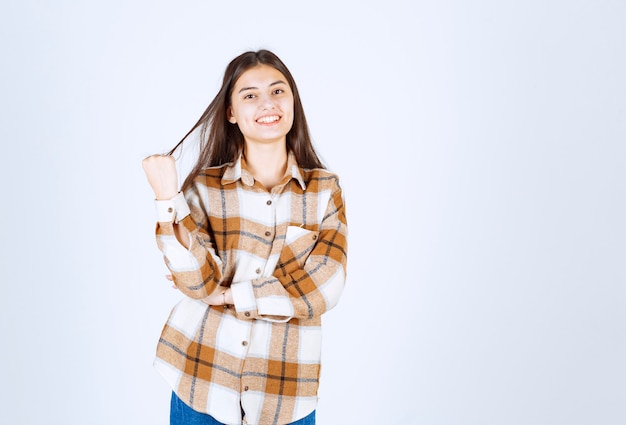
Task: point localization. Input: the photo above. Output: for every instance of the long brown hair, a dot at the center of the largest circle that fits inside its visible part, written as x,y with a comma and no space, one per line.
222,142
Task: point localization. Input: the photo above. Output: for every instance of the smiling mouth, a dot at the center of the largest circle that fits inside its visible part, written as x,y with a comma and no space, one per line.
268,119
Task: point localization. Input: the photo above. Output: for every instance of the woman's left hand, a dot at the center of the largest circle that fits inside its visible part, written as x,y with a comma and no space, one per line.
223,296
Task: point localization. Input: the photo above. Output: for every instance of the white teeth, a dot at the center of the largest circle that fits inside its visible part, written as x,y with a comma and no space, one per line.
269,119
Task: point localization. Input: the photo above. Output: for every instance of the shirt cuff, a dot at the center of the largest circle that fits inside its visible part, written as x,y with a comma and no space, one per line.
243,299
172,210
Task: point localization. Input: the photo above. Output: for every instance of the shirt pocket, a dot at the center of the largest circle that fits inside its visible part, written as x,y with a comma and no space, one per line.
299,243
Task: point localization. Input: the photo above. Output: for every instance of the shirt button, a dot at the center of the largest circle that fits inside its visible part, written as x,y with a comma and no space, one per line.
247,314
244,343
268,233
314,237
258,271
170,209
269,202
245,388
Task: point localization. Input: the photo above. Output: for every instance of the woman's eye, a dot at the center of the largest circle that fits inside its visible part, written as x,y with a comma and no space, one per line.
279,91
249,96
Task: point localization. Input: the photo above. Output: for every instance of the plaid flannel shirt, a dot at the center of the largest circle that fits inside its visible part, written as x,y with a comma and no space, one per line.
283,254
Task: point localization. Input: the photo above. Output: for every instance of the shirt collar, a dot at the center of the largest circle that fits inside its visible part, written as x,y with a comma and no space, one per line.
238,171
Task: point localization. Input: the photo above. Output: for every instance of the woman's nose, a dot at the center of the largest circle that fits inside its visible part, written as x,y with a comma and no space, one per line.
267,103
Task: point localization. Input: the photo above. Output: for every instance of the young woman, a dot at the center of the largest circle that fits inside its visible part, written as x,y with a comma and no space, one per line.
256,241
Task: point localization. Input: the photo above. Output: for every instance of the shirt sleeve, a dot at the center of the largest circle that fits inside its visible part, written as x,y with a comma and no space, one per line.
196,271
301,290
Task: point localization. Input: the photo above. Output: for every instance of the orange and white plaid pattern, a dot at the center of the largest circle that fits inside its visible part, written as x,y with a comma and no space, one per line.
283,253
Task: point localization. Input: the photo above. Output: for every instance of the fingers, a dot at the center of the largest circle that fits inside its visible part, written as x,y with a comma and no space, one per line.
157,161
171,279
157,155
162,175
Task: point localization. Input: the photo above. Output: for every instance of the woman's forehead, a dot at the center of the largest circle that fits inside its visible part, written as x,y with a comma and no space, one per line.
259,76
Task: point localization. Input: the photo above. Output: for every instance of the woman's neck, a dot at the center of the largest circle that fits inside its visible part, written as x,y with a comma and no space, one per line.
266,163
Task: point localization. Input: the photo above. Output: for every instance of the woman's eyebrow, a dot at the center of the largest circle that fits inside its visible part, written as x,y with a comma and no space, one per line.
256,88
278,82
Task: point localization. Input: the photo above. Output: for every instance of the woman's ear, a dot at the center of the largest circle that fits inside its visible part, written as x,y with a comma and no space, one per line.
231,118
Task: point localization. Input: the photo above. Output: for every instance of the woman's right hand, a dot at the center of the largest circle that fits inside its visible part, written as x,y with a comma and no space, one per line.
162,175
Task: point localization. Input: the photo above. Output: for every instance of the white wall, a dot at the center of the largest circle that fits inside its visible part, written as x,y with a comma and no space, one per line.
482,150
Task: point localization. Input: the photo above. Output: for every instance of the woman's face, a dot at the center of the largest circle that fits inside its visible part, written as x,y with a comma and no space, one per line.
262,105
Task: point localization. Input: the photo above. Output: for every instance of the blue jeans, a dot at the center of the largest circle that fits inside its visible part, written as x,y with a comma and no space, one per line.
181,414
